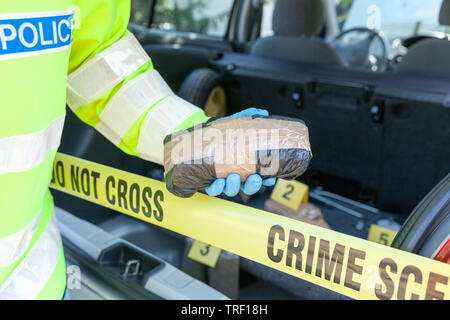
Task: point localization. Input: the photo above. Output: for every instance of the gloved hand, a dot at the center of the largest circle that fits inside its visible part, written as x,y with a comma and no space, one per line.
194,157
232,184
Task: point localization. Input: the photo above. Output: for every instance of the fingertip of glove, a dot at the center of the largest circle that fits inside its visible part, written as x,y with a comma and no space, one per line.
232,185
256,112
252,185
216,188
269,182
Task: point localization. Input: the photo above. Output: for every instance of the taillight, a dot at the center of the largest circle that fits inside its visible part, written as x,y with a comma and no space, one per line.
444,253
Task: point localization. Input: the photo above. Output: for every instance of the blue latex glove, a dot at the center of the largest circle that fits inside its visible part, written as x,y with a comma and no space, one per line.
232,184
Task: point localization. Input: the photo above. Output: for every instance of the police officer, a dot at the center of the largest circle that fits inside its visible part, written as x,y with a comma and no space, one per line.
78,52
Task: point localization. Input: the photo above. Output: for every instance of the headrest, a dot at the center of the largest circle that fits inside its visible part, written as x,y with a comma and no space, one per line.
295,18
444,15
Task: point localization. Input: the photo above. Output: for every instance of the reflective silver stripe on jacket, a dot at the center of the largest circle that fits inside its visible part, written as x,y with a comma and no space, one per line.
35,270
24,152
106,70
13,246
147,90
161,120
132,100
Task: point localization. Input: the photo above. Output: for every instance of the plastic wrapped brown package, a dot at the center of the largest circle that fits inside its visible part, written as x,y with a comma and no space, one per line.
306,213
270,146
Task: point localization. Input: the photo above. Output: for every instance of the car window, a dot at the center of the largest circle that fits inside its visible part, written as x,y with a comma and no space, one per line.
342,10
140,12
397,19
208,17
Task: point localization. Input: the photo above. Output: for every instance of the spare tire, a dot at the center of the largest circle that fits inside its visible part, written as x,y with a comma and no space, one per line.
204,88
428,226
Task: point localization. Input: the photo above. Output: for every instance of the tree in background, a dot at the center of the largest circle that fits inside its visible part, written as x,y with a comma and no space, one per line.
189,15
343,8
140,11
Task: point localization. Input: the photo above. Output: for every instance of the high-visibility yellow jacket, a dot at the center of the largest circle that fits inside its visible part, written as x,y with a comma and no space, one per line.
79,52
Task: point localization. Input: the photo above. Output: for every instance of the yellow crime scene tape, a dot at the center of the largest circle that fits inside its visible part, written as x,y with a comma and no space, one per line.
354,267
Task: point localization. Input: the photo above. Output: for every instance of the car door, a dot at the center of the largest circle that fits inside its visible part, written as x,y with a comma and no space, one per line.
183,35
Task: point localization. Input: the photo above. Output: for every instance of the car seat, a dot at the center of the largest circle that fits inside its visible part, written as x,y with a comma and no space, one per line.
296,23
430,56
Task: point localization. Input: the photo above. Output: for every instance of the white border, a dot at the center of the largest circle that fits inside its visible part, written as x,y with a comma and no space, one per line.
13,246
18,55
21,153
36,269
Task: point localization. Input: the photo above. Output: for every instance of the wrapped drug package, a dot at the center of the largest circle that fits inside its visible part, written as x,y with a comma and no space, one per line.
270,146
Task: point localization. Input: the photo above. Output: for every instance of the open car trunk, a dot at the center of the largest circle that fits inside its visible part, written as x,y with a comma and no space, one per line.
380,140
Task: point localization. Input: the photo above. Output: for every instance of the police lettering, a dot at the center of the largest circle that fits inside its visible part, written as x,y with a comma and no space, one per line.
35,33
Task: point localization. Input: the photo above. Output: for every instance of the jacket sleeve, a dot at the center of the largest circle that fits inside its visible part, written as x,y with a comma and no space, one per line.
113,86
